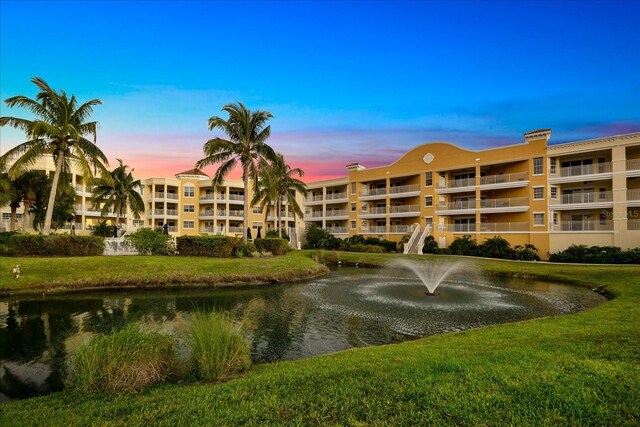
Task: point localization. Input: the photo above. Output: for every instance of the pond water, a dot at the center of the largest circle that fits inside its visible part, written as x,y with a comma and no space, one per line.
347,308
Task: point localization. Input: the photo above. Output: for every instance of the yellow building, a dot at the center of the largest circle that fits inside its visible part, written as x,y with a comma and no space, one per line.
583,192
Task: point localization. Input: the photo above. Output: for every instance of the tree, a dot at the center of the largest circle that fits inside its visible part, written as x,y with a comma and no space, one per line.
21,191
63,210
277,185
118,190
247,133
59,130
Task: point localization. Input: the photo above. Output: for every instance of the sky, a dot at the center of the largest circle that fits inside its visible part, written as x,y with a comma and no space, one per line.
345,81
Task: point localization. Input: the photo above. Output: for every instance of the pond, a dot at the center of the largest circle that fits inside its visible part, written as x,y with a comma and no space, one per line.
347,308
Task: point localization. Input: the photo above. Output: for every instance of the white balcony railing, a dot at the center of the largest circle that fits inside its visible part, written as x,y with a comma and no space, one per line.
336,212
404,209
633,224
401,228
335,196
592,169
404,189
633,195
374,211
377,229
158,195
496,227
158,211
457,228
504,178
207,213
337,230
239,197
457,205
504,203
209,196
585,197
457,183
236,213
587,225
373,192
314,198
173,212
236,230
633,164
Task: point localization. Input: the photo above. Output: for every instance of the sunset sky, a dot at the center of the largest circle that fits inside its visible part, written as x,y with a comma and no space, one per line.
346,81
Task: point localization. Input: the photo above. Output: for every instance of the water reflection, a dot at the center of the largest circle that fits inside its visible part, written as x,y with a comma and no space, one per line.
345,309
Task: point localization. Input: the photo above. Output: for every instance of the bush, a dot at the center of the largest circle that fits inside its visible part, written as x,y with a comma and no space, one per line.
597,255
317,238
151,242
527,252
55,245
5,238
218,350
125,360
274,245
430,246
274,233
495,247
211,246
245,249
463,246
367,248
102,229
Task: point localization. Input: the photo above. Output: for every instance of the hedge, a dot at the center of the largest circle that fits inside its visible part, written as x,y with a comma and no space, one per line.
274,245
597,255
55,245
213,246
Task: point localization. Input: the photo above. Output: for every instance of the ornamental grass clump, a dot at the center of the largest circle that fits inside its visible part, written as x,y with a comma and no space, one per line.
218,349
125,360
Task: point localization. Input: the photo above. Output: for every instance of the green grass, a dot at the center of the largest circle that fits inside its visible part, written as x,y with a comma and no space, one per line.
125,360
218,350
579,369
50,275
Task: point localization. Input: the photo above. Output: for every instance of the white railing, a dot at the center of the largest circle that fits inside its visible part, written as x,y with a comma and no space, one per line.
79,188
633,224
67,226
236,229
378,229
457,228
336,212
337,230
173,196
457,205
404,209
495,227
209,196
335,196
375,211
158,195
158,211
314,214
633,164
207,213
586,169
503,178
314,198
504,203
373,192
404,189
401,228
457,183
586,197
633,194
233,212
239,197
588,225
173,212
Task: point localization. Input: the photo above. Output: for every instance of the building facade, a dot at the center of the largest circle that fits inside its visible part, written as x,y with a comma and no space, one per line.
551,196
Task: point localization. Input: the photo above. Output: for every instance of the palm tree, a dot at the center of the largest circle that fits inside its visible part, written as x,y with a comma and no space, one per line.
119,191
247,133
277,185
21,191
59,131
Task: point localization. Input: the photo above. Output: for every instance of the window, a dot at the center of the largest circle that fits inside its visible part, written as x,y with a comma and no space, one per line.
187,224
538,219
364,207
353,188
353,207
554,192
189,208
553,165
537,166
353,225
256,224
555,218
138,223
428,201
538,193
603,193
429,220
429,179
256,210
189,191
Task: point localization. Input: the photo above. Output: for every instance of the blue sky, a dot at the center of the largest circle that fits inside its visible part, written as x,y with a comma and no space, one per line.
346,81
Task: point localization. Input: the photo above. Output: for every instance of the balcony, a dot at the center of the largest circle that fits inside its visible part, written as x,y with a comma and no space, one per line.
378,212
633,224
593,172
458,207
457,228
313,200
513,204
404,211
376,229
582,226
633,197
337,198
208,213
585,200
172,196
235,230
172,212
400,229
315,215
504,227
633,167
456,185
337,214
236,197
236,213
404,191
373,194
337,230
506,180
207,198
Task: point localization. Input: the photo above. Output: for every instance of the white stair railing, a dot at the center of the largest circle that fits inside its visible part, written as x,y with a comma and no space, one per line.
423,236
414,236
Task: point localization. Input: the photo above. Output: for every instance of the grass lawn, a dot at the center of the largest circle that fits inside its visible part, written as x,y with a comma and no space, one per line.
579,369
66,274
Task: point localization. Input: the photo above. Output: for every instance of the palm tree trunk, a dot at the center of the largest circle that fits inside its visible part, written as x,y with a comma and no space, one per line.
25,214
245,178
278,218
12,220
52,196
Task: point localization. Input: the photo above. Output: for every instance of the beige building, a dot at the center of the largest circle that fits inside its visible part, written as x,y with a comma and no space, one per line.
583,192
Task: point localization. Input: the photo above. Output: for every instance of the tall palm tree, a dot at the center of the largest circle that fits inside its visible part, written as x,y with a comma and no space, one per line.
119,191
21,191
59,130
247,133
277,185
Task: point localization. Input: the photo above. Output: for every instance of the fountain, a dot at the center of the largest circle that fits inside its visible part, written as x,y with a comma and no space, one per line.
432,273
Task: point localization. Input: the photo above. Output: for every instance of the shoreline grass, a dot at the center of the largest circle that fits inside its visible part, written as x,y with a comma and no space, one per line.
578,369
82,274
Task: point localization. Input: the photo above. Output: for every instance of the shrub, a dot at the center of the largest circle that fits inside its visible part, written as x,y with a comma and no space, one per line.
463,246
125,360
317,238
5,238
430,246
102,229
597,255
527,252
495,247
151,242
274,245
245,249
218,350
211,246
274,233
400,245
55,245
367,248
